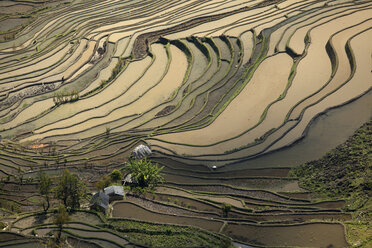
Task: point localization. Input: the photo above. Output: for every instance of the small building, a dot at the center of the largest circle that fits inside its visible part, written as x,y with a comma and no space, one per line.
99,202
115,193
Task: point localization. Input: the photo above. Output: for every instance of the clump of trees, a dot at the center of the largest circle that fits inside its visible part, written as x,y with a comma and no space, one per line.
69,190
64,97
114,178
145,173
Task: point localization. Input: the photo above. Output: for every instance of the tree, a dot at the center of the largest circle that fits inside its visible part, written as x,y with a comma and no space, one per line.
45,188
115,175
60,219
103,183
226,208
70,190
145,173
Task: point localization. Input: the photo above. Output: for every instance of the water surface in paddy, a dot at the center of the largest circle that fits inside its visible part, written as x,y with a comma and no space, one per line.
325,133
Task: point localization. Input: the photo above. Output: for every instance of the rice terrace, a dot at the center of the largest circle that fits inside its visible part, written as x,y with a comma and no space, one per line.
185,123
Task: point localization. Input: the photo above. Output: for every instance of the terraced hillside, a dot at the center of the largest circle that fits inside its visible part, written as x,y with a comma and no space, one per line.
229,95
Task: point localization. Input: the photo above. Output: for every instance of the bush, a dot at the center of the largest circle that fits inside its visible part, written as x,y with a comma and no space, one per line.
115,175
226,208
103,183
145,173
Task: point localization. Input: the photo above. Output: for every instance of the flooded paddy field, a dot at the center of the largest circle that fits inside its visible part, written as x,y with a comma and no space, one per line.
228,95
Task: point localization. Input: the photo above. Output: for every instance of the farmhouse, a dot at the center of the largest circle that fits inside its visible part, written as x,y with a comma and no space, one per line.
99,202
115,193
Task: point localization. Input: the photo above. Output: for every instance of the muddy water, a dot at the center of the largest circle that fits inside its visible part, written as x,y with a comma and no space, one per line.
297,40
314,234
95,234
343,68
104,74
267,19
123,81
221,199
250,183
212,25
132,211
161,92
200,62
121,45
11,23
255,17
309,21
30,112
134,87
314,70
268,82
343,72
359,84
326,132
65,66
248,44
41,63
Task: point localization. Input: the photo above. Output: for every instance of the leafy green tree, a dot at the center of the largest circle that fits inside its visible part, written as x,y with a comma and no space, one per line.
45,188
60,219
146,173
103,183
70,190
115,175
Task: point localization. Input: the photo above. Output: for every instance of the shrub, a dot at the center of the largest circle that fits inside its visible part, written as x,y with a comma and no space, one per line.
145,173
116,175
226,208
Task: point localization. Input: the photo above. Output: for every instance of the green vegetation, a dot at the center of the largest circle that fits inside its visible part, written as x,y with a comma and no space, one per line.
226,208
2,225
115,175
145,173
70,190
64,97
61,219
45,188
108,130
104,182
147,96
345,172
157,235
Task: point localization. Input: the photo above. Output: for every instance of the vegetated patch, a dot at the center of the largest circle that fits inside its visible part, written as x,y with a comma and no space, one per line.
346,172
165,235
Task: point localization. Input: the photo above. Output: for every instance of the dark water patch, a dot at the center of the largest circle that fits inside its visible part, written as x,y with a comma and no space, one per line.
327,131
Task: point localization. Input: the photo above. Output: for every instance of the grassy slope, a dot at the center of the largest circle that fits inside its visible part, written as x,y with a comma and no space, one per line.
346,172
162,235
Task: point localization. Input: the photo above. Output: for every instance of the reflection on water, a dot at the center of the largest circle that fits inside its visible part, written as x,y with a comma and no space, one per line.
239,245
325,133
